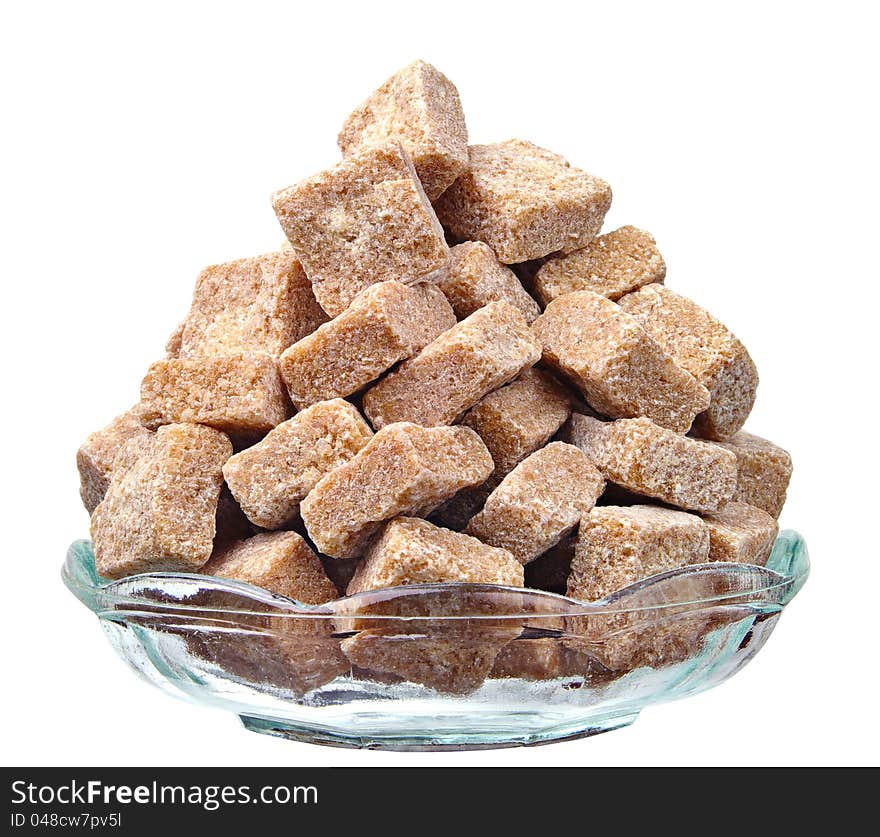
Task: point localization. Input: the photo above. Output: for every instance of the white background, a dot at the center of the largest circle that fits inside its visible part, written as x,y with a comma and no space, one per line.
140,144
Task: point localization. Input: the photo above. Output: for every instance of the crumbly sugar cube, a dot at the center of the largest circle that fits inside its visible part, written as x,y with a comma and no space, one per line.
385,323
764,472
473,277
361,222
545,659
413,551
159,513
420,108
258,305
174,343
619,545
513,421
621,370
239,394
280,562
524,202
270,478
451,374
611,265
652,461
539,502
95,457
741,533
404,469
699,343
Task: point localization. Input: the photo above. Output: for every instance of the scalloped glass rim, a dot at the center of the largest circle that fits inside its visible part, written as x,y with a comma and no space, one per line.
775,585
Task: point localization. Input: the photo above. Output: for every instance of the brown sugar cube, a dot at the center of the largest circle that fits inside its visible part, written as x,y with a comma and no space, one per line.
611,265
619,545
404,469
764,471
697,342
474,277
448,659
545,659
419,107
413,551
258,305
621,370
652,461
513,421
384,324
451,374
174,342
524,201
539,502
280,562
95,458
741,533
159,513
238,393
365,220
270,478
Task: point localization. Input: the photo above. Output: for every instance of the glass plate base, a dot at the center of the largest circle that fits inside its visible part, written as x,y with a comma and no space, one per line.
380,732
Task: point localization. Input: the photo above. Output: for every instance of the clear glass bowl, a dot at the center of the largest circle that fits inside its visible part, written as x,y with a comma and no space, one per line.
450,666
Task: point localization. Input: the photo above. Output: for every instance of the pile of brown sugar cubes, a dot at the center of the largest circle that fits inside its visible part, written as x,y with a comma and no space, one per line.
449,374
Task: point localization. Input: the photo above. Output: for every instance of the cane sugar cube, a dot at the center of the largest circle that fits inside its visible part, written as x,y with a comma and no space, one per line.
539,502
619,545
361,222
764,471
474,277
404,469
413,551
545,659
451,374
513,421
258,305
270,478
697,342
621,370
611,265
452,660
524,202
741,533
159,513
95,458
237,393
652,461
384,324
420,108
280,562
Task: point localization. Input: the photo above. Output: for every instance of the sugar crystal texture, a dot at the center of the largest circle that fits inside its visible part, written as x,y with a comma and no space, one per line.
652,461
513,421
619,545
259,305
419,107
539,502
611,265
384,324
95,457
280,562
741,533
703,346
361,222
451,374
270,478
413,551
237,393
474,277
524,202
404,469
159,513
621,370
764,472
